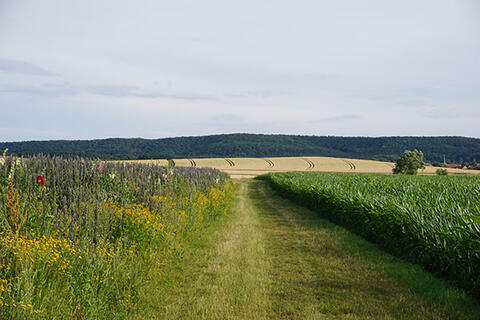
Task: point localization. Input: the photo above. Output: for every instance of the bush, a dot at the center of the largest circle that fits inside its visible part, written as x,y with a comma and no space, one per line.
441,172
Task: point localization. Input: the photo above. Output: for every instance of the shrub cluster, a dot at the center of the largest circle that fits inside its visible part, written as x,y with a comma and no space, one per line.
433,221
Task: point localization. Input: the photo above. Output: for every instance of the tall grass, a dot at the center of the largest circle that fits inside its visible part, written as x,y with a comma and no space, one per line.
79,246
432,221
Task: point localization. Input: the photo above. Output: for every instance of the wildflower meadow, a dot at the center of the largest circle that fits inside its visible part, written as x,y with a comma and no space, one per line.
77,235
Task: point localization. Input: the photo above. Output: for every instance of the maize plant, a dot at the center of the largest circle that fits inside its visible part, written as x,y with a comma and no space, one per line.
433,221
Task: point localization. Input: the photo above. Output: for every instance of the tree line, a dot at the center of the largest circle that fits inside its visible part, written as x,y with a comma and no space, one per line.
435,149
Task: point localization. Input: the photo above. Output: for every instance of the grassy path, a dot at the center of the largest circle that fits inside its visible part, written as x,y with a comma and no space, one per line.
271,259
229,279
227,276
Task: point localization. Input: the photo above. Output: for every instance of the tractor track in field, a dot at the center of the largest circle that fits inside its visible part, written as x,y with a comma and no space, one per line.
350,164
192,162
230,162
269,163
310,163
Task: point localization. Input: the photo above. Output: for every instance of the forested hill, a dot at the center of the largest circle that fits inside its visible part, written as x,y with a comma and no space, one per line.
456,149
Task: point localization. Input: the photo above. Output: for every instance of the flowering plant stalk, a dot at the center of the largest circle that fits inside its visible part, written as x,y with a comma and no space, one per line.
77,235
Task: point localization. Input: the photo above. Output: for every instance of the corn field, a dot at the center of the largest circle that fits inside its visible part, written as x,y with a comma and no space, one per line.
431,221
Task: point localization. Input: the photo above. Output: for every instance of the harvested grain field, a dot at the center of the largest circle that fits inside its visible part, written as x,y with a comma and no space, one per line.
250,167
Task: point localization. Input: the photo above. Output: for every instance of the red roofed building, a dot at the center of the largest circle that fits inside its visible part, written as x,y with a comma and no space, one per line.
455,166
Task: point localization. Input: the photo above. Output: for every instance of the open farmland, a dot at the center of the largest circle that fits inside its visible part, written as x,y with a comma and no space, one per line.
251,167
432,221
82,239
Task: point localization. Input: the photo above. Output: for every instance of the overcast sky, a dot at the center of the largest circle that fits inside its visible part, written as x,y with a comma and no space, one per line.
85,69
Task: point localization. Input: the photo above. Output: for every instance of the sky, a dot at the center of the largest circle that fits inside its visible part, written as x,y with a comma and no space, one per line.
88,69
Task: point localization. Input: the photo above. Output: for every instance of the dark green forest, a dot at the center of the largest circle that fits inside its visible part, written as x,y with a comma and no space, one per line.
455,149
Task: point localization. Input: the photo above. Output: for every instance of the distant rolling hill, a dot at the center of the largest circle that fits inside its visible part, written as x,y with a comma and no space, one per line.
456,149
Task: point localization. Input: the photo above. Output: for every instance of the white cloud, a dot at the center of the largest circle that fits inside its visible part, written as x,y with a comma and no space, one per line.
309,66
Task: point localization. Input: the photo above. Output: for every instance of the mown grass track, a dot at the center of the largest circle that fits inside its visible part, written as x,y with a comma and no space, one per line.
271,259
223,275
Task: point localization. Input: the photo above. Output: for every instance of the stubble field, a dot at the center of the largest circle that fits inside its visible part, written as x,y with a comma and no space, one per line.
251,167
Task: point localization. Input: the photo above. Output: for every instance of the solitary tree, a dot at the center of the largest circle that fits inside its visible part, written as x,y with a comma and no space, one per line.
409,162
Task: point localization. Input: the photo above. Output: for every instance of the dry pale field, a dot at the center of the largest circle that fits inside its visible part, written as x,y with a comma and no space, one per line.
250,167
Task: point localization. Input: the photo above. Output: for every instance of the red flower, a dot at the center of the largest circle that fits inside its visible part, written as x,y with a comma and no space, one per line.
41,180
